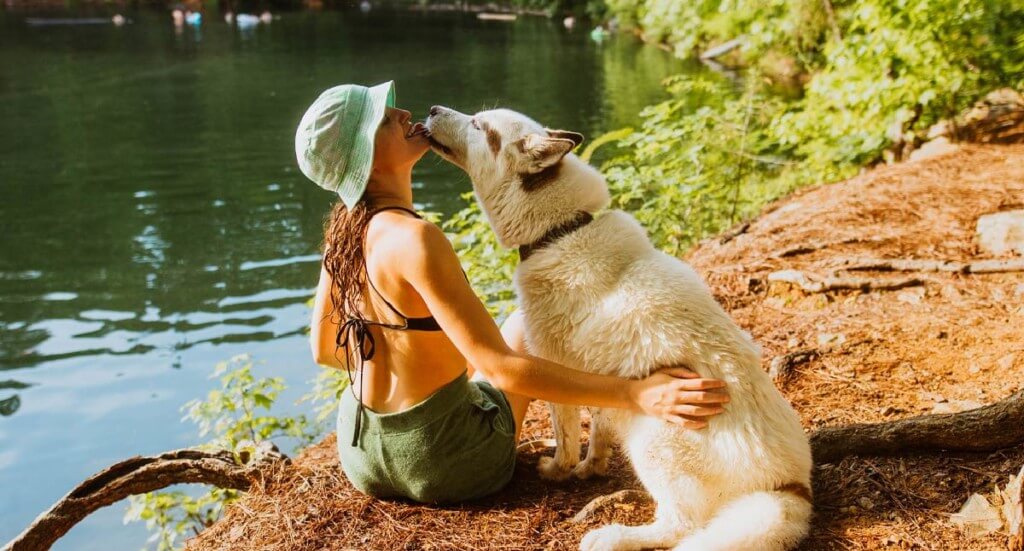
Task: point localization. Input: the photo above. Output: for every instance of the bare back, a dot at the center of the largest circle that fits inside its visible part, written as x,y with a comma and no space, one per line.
407,366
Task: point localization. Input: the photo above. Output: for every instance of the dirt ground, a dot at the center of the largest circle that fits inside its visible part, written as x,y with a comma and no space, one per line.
954,342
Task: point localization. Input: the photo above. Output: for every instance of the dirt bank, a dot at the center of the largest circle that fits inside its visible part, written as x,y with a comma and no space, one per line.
952,342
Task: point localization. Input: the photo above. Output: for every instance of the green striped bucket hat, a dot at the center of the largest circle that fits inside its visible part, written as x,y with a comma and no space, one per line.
334,141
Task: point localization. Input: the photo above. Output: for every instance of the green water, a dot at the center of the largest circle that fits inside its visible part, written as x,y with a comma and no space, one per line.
152,220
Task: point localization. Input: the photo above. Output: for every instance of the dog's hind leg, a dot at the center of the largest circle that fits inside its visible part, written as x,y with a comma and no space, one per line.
599,451
759,521
664,532
565,420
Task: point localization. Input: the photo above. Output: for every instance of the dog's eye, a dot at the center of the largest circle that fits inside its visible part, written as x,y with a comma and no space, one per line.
474,123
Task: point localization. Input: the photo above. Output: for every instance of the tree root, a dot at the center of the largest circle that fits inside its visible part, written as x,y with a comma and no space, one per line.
782,366
807,249
989,428
916,265
139,475
621,496
836,283
734,233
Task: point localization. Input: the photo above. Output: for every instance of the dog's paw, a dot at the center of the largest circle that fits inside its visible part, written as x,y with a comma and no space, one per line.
608,538
591,466
549,469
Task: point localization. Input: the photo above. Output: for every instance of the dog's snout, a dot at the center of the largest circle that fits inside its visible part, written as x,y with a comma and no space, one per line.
435,110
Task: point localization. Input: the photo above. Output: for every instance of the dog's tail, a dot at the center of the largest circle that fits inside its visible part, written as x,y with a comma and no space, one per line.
763,521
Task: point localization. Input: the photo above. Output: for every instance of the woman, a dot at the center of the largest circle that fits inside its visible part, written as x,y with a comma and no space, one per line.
394,304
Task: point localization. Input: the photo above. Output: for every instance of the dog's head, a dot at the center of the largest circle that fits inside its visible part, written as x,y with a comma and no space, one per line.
524,175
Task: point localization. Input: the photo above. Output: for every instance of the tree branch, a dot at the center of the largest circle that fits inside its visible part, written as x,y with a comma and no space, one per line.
139,475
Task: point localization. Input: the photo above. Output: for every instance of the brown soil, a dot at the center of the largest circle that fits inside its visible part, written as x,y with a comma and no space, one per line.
955,339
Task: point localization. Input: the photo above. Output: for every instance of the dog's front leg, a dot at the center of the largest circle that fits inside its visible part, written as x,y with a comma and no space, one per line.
565,421
600,449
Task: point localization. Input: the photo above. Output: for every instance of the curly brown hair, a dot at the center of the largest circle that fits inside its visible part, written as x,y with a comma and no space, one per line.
344,258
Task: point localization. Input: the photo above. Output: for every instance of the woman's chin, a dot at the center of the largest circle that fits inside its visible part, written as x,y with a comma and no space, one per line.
418,147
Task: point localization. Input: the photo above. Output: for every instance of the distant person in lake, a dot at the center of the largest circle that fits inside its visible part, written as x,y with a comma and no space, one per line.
438,392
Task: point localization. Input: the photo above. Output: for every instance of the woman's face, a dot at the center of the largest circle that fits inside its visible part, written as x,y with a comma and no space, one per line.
399,142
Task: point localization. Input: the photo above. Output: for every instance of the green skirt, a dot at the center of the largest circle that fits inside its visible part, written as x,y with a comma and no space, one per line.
456,445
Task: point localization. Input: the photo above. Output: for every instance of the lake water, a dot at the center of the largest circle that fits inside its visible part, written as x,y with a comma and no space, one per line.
153,223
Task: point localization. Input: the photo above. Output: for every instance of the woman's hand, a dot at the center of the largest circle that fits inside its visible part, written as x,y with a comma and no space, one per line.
678,395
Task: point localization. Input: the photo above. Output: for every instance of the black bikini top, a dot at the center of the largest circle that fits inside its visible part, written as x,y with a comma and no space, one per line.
355,334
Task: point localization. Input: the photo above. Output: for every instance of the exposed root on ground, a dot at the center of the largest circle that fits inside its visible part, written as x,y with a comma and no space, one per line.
990,428
621,496
815,284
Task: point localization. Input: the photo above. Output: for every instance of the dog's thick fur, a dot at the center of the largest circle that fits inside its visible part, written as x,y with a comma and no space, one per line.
603,299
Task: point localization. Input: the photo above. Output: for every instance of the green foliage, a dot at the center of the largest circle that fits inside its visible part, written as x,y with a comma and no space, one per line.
488,266
878,71
327,388
170,516
237,417
898,68
231,414
700,161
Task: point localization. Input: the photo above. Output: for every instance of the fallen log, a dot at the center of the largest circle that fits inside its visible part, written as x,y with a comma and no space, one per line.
139,475
989,428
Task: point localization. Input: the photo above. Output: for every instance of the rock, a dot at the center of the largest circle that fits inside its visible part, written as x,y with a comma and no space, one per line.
911,296
977,517
934,148
950,292
831,340
1002,232
1012,509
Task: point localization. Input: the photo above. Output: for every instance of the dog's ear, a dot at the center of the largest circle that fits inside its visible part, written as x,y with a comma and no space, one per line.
575,137
544,151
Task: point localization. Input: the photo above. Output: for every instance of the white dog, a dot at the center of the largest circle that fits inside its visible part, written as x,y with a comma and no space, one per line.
598,296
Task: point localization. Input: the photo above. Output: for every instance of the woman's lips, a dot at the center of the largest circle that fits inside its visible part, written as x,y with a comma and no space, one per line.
416,130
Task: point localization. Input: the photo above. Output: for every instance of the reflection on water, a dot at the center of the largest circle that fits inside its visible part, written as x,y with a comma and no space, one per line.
154,222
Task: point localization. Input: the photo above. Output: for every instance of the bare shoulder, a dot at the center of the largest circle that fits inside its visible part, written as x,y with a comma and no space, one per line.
406,239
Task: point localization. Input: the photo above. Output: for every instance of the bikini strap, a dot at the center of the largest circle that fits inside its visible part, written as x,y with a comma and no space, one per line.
405,320
403,209
416,324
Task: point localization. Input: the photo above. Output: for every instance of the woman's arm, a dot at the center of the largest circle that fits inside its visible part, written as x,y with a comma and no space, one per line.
432,268
323,331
